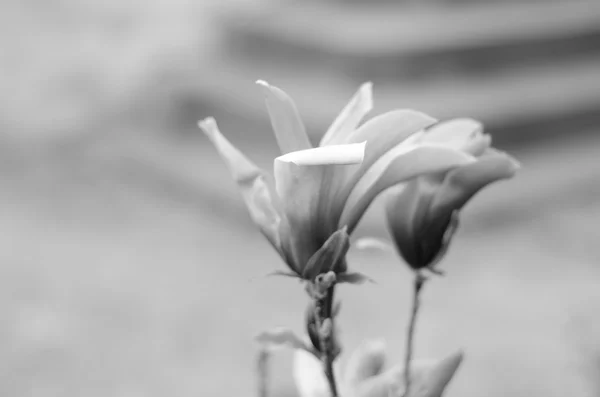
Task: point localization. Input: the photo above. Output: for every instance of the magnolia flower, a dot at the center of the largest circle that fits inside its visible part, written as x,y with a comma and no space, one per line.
422,214
365,375
319,194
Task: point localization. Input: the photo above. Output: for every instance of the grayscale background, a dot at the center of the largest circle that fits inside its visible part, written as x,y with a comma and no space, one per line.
129,266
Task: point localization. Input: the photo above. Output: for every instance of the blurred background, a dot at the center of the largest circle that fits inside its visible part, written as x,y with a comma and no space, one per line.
130,266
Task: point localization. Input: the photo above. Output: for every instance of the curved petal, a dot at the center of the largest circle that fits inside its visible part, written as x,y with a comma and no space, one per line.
331,155
385,384
309,376
463,183
431,378
286,121
349,118
461,134
441,236
404,208
453,133
301,179
252,183
382,133
329,256
398,165
366,361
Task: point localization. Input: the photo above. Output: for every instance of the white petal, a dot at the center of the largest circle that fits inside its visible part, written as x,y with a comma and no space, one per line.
373,243
309,376
349,118
329,155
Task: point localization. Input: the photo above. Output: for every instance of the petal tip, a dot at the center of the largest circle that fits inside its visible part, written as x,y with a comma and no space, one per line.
376,345
208,125
262,83
366,89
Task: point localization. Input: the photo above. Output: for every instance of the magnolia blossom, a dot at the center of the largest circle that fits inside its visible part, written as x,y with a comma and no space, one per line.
365,374
422,214
319,194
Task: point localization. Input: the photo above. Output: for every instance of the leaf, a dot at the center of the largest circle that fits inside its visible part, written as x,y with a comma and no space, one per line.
281,337
286,121
283,274
256,190
353,278
349,118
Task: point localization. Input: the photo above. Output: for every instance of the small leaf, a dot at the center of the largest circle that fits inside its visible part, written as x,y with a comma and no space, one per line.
354,278
283,274
281,337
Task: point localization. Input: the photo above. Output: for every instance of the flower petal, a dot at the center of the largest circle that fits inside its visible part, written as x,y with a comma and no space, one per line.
400,164
328,256
384,384
302,182
373,243
252,183
431,379
349,118
401,207
382,133
309,376
281,337
446,232
463,183
461,134
286,121
330,155
453,133
366,361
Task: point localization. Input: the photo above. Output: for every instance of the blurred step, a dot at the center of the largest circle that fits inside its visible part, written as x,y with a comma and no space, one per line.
531,103
408,40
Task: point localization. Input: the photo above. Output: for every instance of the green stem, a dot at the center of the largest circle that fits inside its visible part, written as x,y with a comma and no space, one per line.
323,312
417,287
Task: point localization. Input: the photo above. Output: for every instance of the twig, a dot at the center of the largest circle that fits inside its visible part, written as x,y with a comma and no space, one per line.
417,286
262,369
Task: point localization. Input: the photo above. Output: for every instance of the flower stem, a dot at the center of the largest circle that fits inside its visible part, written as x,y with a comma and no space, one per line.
323,313
417,286
262,369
